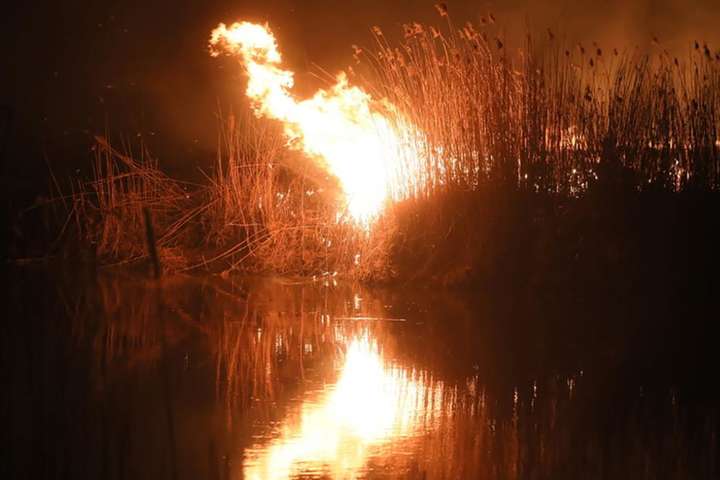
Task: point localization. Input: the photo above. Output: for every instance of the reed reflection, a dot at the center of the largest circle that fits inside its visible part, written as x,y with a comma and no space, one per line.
261,379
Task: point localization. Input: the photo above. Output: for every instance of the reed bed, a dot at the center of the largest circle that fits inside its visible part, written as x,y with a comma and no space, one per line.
546,116
105,219
277,211
491,124
259,210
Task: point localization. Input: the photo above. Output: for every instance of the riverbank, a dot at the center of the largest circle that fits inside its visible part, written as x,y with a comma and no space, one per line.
611,241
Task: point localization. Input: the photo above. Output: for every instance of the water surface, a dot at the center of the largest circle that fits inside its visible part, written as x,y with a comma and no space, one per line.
116,377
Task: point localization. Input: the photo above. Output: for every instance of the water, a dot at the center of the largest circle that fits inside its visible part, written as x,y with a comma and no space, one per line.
113,377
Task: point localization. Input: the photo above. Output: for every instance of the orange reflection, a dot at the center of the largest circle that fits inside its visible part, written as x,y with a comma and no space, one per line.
371,403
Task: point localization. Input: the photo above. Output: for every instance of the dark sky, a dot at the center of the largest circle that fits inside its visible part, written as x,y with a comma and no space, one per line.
72,68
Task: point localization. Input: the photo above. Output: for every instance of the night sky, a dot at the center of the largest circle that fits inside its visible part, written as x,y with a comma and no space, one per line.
73,69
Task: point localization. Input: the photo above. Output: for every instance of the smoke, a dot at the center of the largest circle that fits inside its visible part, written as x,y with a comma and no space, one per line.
324,31
621,24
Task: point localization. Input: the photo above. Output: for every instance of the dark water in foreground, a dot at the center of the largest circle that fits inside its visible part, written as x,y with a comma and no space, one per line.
260,378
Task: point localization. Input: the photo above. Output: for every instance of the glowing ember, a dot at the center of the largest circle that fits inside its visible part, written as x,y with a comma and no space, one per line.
342,126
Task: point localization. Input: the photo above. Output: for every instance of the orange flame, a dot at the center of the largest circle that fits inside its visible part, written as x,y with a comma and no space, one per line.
342,126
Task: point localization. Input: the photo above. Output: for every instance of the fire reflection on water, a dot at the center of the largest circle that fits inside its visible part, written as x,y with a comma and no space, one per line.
376,409
373,402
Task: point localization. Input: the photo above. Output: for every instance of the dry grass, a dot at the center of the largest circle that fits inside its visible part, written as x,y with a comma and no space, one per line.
259,210
547,119
107,210
277,212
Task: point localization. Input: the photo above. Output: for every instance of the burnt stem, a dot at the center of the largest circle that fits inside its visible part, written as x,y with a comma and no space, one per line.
152,247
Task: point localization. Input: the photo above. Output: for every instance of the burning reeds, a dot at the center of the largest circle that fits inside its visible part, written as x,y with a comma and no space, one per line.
352,178
548,118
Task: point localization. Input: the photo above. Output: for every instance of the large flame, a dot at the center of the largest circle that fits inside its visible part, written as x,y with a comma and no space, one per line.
342,126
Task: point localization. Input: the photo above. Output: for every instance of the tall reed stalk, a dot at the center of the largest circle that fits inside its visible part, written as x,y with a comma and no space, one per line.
549,117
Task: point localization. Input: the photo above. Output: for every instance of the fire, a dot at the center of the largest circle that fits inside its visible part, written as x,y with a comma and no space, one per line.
342,127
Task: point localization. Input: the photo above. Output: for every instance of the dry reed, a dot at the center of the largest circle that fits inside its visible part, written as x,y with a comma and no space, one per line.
549,119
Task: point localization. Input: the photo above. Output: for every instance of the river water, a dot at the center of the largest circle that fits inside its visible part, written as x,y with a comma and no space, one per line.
109,376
